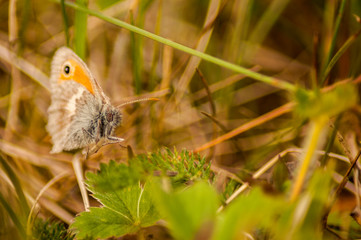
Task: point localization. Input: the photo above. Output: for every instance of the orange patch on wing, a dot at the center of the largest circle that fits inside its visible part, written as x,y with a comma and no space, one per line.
78,74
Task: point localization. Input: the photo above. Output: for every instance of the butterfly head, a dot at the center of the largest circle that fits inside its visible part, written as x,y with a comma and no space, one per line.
110,118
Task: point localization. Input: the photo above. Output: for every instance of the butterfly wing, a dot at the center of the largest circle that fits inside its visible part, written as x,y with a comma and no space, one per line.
73,90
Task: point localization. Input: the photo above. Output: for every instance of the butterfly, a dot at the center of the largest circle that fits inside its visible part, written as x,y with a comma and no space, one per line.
80,114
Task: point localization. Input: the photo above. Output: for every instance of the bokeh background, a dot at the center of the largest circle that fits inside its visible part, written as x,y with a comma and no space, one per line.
199,101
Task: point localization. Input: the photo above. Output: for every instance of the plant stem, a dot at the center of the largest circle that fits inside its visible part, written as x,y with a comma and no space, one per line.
80,32
66,22
339,53
334,38
255,75
315,138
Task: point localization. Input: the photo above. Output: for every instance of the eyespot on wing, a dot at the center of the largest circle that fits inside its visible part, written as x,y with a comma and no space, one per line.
73,70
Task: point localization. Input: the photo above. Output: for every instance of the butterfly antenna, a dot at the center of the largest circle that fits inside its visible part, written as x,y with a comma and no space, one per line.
138,100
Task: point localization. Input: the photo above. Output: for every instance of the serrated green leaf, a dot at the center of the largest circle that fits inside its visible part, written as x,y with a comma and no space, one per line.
124,211
187,210
111,177
183,167
102,223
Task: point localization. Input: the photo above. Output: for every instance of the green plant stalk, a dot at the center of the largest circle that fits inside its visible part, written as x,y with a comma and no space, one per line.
158,21
17,185
334,37
136,53
65,21
13,217
242,28
267,21
80,31
315,138
257,76
339,53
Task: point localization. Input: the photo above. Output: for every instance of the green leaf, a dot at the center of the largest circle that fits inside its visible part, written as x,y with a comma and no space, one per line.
319,191
125,211
314,104
254,210
188,210
182,167
112,176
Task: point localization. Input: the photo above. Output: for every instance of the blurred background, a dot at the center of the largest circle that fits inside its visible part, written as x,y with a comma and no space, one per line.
292,40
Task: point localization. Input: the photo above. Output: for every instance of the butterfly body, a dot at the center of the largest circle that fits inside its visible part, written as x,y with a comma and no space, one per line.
80,114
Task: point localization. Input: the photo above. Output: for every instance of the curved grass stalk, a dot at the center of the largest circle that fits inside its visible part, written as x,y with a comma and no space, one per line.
30,220
234,67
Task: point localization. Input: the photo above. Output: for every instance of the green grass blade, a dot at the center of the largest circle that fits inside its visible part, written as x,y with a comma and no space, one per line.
334,39
13,216
80,31
339,53
136,53
267,21
15,181
20,194
65,21
153,75
255,75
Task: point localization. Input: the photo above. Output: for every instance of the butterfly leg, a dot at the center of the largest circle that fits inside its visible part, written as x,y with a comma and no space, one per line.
87,133
112,139
98,133
89,151
86,152
95,148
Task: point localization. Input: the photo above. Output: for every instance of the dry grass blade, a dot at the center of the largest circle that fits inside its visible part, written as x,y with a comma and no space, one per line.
166,67
29,69
222,84
57,210
33,158
12,118
219,124
276,158
255,122
209,95
40,194
202,44
347,174
341,186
